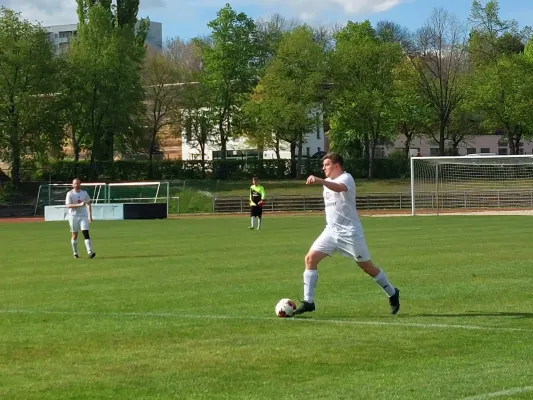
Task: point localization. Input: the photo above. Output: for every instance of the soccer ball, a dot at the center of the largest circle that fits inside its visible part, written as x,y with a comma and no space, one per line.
285,308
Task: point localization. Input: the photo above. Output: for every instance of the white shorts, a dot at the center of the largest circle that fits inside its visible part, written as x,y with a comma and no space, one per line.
78,224
349,246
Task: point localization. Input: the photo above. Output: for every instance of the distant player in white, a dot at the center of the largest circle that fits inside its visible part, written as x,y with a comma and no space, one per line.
80,215
343,233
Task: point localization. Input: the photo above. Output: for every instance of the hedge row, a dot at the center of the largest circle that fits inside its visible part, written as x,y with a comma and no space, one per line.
227,170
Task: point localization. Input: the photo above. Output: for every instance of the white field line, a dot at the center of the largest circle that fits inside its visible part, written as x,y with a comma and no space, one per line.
503,393
252,318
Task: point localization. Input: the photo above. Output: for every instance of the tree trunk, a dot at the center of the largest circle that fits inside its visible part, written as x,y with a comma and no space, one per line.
408,139
293,159
442,135
202,157
372,158
366,142
15,164
299,163
277,148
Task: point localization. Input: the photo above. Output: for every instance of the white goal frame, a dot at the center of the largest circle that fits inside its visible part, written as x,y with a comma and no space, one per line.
68,186
444,192
165,194
104,194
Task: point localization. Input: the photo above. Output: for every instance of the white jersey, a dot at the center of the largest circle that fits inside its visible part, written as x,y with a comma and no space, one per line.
74,197
342,217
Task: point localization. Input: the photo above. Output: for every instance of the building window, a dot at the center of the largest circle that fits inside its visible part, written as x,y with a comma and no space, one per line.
470,150
502,141
502,151
308,151
318,128
434,151
485,150
318,149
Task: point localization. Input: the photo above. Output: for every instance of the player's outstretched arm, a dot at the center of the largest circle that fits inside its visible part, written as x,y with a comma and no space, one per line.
335,186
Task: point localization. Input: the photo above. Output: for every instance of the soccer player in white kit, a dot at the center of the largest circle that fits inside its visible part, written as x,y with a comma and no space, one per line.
80,215
343,233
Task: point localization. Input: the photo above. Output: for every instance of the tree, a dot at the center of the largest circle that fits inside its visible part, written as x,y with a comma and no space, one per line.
393,32
439,56
29,119
186,55
411,111
491,36
196,120
288,93
229,69
107,60
163,83
363,66
503,94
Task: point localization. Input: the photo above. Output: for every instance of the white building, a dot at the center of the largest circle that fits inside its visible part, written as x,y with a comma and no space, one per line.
61,35
239,148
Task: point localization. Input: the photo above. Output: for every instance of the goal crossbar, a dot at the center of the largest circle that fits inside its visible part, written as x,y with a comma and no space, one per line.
469,183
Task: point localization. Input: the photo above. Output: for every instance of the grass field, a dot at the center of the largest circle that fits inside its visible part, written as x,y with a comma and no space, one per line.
184,309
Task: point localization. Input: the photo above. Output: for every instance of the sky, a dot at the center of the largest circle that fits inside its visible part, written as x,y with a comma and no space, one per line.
188,18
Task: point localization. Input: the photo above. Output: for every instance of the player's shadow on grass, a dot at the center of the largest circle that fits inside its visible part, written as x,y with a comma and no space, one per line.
479,314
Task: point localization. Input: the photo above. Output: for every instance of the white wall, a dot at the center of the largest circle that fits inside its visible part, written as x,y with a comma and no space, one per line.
315,141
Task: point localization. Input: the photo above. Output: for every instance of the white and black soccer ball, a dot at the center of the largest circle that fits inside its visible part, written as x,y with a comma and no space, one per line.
285,308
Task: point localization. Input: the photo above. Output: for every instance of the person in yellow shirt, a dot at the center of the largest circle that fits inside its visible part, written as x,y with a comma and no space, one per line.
257,197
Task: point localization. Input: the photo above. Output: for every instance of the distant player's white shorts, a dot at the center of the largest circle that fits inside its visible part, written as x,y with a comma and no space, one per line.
78,224
349,246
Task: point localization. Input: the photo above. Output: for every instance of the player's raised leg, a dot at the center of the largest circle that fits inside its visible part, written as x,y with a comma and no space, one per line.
356,247
381,279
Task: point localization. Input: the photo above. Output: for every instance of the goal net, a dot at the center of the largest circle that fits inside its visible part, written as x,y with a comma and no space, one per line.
54,194
138,192
471,184
104,193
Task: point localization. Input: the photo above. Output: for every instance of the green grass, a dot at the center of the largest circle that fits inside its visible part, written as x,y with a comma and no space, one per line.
184,309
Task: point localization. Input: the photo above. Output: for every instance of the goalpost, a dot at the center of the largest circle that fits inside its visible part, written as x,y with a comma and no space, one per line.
54,194
473,183
139,192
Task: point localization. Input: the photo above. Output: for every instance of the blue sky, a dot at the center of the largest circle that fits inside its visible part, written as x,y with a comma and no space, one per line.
189,18
411,13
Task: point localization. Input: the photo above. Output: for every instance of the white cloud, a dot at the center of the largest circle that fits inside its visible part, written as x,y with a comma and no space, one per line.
57,12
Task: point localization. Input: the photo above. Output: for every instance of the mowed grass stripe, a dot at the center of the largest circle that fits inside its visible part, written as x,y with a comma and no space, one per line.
210,287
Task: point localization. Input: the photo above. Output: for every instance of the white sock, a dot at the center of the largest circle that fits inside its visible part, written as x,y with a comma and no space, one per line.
74,244
252,222
258,222
381,280
310,278
88,246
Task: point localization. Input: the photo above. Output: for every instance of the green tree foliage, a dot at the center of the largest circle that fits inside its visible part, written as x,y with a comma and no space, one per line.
30,124
411,112
106,63
492,37
286,100
229,62
502,93
363,69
